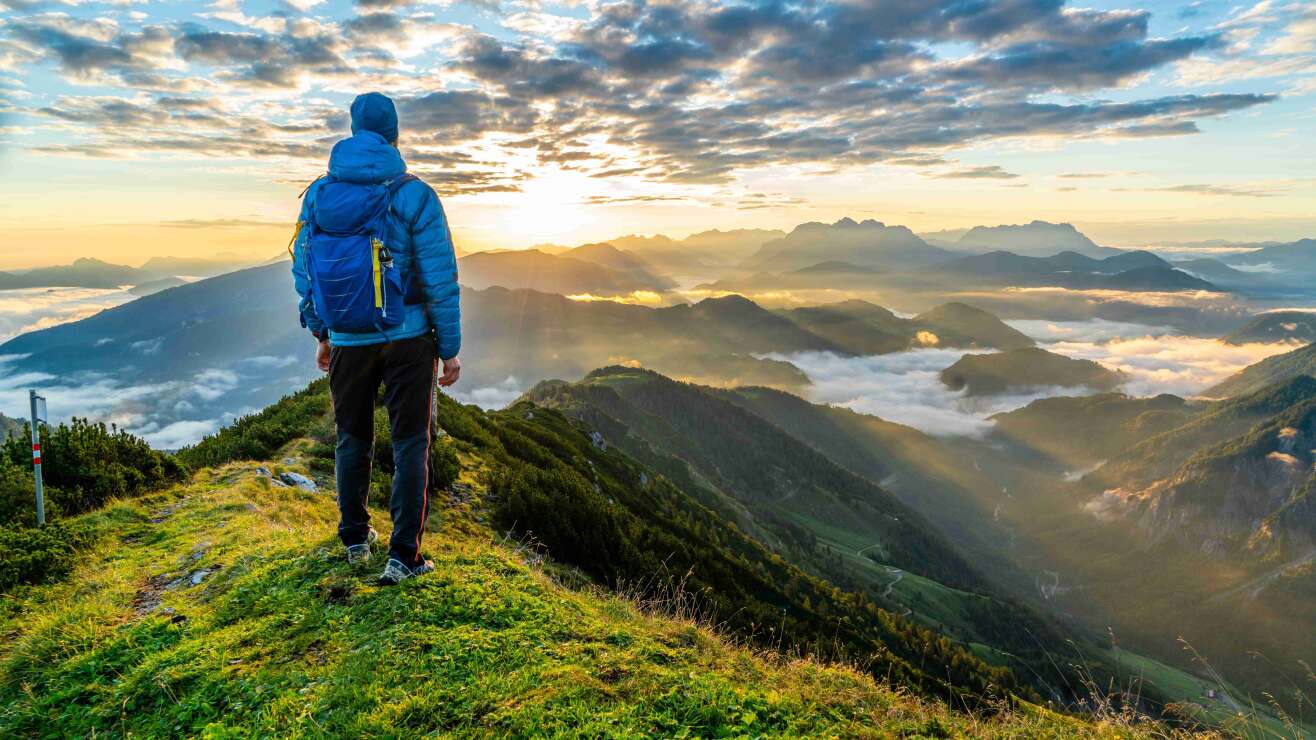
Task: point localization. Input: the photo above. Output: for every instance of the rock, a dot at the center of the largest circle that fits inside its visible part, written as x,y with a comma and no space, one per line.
596,439
299,480
199,576
264,471
289,461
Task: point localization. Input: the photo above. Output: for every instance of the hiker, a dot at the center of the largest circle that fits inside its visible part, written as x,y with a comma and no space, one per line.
374,265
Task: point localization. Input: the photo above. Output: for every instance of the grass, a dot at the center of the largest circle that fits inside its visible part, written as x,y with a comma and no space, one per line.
223,608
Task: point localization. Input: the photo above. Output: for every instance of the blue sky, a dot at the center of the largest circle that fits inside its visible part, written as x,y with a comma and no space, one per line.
139,128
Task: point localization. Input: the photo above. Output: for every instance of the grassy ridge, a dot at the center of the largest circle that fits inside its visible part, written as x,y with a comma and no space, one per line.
279,637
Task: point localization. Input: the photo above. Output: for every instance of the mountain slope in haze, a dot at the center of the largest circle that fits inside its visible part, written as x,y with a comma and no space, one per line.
1277,326
1298,256
564,273
1225,277
618,260
84,272
1111,422
1156,279
872,329
1125,271
762,468
867,244
1272,370
1031,367
693,438
1037,238
1157,457
961,325
87,272
1247,497
703,254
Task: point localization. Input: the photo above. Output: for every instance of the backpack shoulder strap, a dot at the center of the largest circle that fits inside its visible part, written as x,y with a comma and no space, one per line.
395,185
312,182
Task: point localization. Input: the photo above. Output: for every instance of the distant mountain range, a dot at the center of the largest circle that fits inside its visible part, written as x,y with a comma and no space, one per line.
1140,271
234,342
93,273
1027,368
1298,256
867,244
701,255
1034,239
595,269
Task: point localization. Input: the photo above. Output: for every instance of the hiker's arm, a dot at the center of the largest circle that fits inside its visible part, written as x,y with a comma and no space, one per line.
300,279
436,268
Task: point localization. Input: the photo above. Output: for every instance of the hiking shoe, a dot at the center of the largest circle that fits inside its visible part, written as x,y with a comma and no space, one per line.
361,553
396,571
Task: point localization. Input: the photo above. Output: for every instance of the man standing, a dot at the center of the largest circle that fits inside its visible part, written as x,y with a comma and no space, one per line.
367,215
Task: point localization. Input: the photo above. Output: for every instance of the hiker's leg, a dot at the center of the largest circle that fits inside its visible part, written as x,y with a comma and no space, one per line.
354,375
410,369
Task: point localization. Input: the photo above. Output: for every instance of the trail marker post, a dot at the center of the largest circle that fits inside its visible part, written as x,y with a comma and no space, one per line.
38,415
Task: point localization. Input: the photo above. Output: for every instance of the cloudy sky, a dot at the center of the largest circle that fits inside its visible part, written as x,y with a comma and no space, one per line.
137,128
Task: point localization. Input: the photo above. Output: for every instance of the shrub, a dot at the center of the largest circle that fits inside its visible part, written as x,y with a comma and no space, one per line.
86,464
31,555
259,436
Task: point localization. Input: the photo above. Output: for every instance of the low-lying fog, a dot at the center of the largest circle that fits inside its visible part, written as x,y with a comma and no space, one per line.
905,387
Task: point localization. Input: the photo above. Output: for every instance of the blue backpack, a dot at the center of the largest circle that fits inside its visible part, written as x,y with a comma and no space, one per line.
355,285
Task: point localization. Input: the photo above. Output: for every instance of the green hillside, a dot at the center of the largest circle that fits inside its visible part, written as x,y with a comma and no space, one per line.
727,444
221,607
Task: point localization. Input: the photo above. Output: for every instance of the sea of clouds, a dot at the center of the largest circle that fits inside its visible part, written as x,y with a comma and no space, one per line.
905,387
29,309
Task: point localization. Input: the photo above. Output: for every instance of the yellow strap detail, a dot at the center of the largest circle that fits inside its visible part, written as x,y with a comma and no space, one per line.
375,246
295,232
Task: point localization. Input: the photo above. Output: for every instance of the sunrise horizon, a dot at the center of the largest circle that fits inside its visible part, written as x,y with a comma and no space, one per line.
187,133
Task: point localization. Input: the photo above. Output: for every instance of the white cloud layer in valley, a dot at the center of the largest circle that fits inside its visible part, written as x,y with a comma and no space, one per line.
905,387
29,309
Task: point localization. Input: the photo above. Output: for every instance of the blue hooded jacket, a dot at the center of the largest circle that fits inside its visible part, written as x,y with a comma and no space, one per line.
418,236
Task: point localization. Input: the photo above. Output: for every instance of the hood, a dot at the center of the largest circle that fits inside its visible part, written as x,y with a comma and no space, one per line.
365,157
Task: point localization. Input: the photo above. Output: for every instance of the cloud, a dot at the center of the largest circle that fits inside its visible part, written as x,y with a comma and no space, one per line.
989,172
1219,190
30,309
491,397
697,92
906,388
1164,363
180,433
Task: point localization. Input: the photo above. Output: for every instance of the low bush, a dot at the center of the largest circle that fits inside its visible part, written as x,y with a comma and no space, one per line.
32,555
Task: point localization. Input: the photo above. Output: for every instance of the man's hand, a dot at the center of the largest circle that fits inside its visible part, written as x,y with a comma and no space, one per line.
452,370
322,356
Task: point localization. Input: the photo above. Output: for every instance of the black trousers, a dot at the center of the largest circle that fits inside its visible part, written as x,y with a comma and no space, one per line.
407,369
